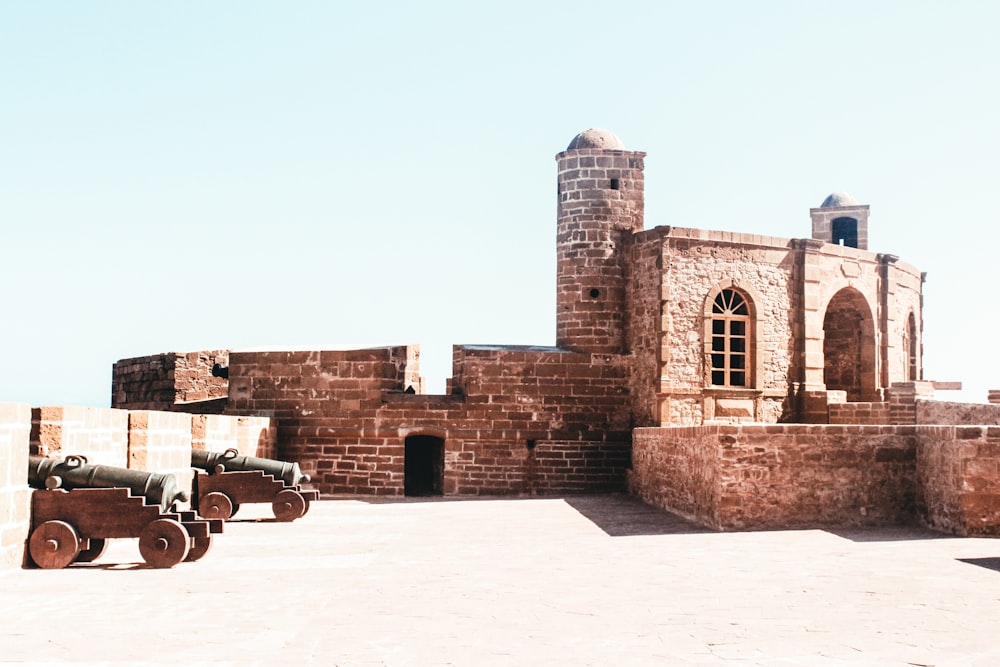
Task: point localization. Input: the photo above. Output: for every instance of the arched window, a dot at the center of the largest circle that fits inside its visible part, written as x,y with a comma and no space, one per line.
730,340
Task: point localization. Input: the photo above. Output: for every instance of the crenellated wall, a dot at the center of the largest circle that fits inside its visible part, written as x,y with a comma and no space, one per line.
517,420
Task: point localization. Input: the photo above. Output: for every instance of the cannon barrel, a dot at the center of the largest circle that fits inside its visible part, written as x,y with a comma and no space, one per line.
74,472
232,460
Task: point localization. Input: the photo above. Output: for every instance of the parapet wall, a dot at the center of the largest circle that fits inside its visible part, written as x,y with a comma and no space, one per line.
161,442
15,427
252,436
944,412
796,476
778,476
100,434
859,413
959,479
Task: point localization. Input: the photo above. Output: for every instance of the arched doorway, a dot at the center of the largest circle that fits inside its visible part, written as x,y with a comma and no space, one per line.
849,346
423,466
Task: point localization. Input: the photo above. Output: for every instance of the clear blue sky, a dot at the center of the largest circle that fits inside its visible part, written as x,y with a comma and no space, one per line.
179,176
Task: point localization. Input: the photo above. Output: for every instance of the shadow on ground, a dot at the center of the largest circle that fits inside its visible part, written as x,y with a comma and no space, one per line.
988,563
887,533
620,515
617,514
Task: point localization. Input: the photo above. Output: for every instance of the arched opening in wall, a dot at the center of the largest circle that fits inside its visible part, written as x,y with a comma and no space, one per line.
423,466
849,346
845,232
912,366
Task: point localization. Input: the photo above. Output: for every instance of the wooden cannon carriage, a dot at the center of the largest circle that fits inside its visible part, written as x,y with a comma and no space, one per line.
77,507
226,480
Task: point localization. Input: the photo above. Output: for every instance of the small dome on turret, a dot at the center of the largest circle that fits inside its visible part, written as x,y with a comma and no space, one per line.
838,199
595,137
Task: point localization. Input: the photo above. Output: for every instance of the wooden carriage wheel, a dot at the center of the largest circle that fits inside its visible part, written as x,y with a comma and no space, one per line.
164,543
54,545
215,505
288,505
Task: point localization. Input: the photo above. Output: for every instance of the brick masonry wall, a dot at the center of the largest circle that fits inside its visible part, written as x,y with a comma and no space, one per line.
859,413
678,469
161,442
99,434
15,427
779,476
959,479
600,203
520,420
170,381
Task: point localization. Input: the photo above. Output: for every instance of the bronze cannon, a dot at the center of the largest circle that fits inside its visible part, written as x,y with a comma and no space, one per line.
230,479
232,460
78,507
74,472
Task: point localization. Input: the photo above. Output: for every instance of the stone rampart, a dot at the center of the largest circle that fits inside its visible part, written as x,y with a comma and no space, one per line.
15,427
778,476
959,479
945,412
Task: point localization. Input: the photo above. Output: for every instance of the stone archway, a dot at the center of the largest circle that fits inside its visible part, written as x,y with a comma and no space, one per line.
423,466
849,346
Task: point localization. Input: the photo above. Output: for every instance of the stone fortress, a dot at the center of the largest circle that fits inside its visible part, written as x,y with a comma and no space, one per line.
740,380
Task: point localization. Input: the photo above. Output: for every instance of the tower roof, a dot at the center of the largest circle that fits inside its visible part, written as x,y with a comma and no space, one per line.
838,199
595,137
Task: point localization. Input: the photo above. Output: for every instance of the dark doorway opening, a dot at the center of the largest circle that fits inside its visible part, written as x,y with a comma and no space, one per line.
423,466
845,232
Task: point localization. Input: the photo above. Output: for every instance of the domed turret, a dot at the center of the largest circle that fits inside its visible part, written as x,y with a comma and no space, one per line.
838,199
595,137
600,203
841,220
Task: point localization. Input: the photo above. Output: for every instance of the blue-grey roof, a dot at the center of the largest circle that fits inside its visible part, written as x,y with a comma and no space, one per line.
838,199
595,137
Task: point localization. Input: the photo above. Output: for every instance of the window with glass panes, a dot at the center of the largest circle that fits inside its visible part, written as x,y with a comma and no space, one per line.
730,340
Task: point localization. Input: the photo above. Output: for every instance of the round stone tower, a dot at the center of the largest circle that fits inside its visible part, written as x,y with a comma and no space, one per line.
600,205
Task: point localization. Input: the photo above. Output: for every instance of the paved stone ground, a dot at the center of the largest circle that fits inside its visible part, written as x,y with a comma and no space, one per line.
599,580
